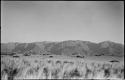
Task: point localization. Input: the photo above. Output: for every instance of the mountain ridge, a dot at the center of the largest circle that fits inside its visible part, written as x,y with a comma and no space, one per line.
68,48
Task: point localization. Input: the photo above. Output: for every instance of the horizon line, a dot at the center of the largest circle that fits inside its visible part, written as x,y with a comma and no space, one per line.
63,41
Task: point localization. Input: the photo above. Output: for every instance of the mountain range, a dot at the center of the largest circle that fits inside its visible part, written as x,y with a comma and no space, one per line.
68,48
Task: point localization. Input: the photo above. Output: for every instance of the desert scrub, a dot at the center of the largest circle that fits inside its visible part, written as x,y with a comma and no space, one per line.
75,73
11,72
33,71
88,73
39,68
117,71
26,63
67,68
10,69
46,72
55,73
49,61
66,75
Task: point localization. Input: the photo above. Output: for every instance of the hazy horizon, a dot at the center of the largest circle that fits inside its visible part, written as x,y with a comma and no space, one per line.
37,21
61,41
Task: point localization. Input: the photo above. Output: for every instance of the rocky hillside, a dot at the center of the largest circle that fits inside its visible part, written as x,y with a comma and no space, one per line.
69,48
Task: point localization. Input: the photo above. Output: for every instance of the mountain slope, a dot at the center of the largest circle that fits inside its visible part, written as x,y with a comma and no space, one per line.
69,48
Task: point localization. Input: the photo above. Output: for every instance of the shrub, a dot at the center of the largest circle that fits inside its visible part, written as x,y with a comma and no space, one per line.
24,68
75,73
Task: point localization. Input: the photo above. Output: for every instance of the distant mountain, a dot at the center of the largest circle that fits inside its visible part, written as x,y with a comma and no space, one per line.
69,48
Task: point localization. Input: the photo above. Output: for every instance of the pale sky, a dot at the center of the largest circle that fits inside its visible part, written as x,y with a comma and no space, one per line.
32,21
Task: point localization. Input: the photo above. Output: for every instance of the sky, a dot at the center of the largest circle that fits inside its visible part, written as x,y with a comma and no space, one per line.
36,21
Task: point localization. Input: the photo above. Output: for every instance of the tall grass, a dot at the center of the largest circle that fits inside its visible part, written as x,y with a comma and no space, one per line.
38,68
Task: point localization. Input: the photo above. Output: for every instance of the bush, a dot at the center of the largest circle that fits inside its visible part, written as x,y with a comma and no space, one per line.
28,68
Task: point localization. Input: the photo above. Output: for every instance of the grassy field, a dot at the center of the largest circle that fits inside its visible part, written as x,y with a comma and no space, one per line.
60,67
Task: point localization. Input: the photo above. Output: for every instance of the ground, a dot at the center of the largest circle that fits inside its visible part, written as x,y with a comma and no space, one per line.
61,67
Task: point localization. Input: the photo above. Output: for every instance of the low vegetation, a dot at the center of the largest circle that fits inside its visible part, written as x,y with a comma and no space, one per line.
27,67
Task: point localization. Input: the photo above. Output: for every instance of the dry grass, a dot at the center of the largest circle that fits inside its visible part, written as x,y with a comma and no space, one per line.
52,68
